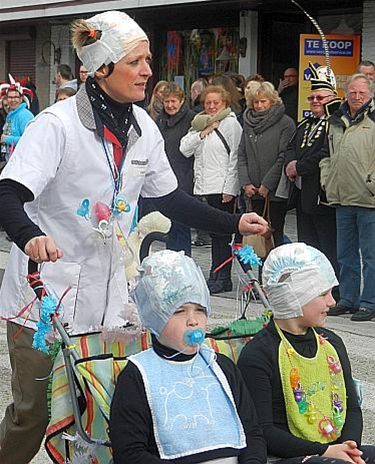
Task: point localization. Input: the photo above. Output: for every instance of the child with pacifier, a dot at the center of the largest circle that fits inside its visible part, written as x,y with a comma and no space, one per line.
179,401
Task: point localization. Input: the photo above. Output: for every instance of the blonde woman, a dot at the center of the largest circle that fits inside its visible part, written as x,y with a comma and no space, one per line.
267,131
213,140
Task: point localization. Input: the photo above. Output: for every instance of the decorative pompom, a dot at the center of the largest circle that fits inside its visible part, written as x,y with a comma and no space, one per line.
247,255
44,326
82,33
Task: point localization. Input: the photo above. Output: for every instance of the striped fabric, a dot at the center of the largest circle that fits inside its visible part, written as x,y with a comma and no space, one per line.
96,373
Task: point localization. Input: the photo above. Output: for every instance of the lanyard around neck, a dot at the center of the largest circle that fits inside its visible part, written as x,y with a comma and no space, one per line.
114,170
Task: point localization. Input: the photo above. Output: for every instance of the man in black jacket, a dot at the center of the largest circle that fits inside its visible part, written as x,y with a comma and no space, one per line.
316,222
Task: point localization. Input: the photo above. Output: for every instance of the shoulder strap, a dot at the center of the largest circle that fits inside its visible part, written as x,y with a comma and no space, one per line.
266,209
222,138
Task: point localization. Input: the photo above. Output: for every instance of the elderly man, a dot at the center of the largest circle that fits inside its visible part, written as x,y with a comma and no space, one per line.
348,177
316,221
88,159
367,68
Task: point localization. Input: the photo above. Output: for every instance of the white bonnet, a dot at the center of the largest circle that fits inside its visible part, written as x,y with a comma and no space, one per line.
120,34
168,280
293,275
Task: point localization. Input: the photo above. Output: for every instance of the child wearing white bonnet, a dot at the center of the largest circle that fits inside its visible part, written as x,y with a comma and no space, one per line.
298,372
179,401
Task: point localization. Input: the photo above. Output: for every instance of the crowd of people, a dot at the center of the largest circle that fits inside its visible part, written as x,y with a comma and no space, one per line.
209,160
266,155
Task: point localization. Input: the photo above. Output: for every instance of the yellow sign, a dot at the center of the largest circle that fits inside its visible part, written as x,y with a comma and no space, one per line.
344,52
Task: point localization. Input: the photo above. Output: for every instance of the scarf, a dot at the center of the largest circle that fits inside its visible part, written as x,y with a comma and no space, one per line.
114,116
358,116
203,120
259,121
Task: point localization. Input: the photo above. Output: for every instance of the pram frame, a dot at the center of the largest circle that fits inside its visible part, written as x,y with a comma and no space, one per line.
69,352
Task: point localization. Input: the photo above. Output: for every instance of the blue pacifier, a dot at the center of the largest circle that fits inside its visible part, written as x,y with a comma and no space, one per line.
194,337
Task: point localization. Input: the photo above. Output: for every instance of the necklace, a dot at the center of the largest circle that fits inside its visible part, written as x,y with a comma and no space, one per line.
314,390
312,132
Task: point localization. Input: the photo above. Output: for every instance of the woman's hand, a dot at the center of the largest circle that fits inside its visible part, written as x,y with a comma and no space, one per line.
209,129
263,191
250,190
345,452
253,224
227,198
291,170
43,249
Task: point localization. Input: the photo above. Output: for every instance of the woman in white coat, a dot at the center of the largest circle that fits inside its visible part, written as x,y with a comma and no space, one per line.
89,158
213,140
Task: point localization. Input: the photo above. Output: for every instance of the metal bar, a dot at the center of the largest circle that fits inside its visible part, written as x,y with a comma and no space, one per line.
76,411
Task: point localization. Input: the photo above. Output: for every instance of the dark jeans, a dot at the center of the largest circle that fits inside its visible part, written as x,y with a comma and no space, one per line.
277,217
368,456
355,240
220,248
202,235
179,238
319,231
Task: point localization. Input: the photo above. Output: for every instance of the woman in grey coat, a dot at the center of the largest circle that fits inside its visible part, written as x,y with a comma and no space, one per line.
267,131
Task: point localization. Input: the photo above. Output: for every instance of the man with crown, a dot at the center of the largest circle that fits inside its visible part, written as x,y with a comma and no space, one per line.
316,221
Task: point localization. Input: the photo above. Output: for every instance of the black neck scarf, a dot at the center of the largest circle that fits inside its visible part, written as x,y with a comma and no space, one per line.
114,116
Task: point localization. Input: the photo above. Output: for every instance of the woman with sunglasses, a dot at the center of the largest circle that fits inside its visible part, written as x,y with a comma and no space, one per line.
316,222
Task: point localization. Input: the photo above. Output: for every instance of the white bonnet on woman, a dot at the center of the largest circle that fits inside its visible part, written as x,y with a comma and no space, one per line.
120,34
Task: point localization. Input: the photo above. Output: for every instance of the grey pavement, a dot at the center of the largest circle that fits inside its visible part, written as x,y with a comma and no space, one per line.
359,338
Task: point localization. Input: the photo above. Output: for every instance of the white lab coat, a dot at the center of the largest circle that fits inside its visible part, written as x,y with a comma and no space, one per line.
60,158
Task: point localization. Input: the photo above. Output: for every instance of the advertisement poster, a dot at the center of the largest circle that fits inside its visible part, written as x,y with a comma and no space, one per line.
200,53
344,51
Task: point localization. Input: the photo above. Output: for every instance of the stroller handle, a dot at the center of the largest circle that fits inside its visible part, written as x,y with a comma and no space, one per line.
33,269
147,242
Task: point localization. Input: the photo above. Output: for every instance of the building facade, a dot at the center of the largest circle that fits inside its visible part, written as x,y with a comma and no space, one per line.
189,39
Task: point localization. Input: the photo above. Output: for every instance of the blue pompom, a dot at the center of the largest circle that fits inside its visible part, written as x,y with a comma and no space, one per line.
44,326
248,256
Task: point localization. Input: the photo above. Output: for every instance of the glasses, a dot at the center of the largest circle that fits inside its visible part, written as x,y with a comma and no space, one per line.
83,72
318,98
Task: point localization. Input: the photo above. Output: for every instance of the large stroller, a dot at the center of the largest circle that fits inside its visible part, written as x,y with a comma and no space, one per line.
86,368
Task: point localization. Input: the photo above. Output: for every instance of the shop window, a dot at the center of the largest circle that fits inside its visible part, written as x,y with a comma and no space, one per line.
199,53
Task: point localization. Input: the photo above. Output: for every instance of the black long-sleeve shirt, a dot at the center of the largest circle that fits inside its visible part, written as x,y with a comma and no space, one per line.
178,206
259,366
131,427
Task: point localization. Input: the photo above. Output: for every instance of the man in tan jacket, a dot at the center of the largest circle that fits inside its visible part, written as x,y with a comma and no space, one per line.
348,177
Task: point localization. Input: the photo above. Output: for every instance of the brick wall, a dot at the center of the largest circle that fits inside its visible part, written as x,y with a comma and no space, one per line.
3,76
